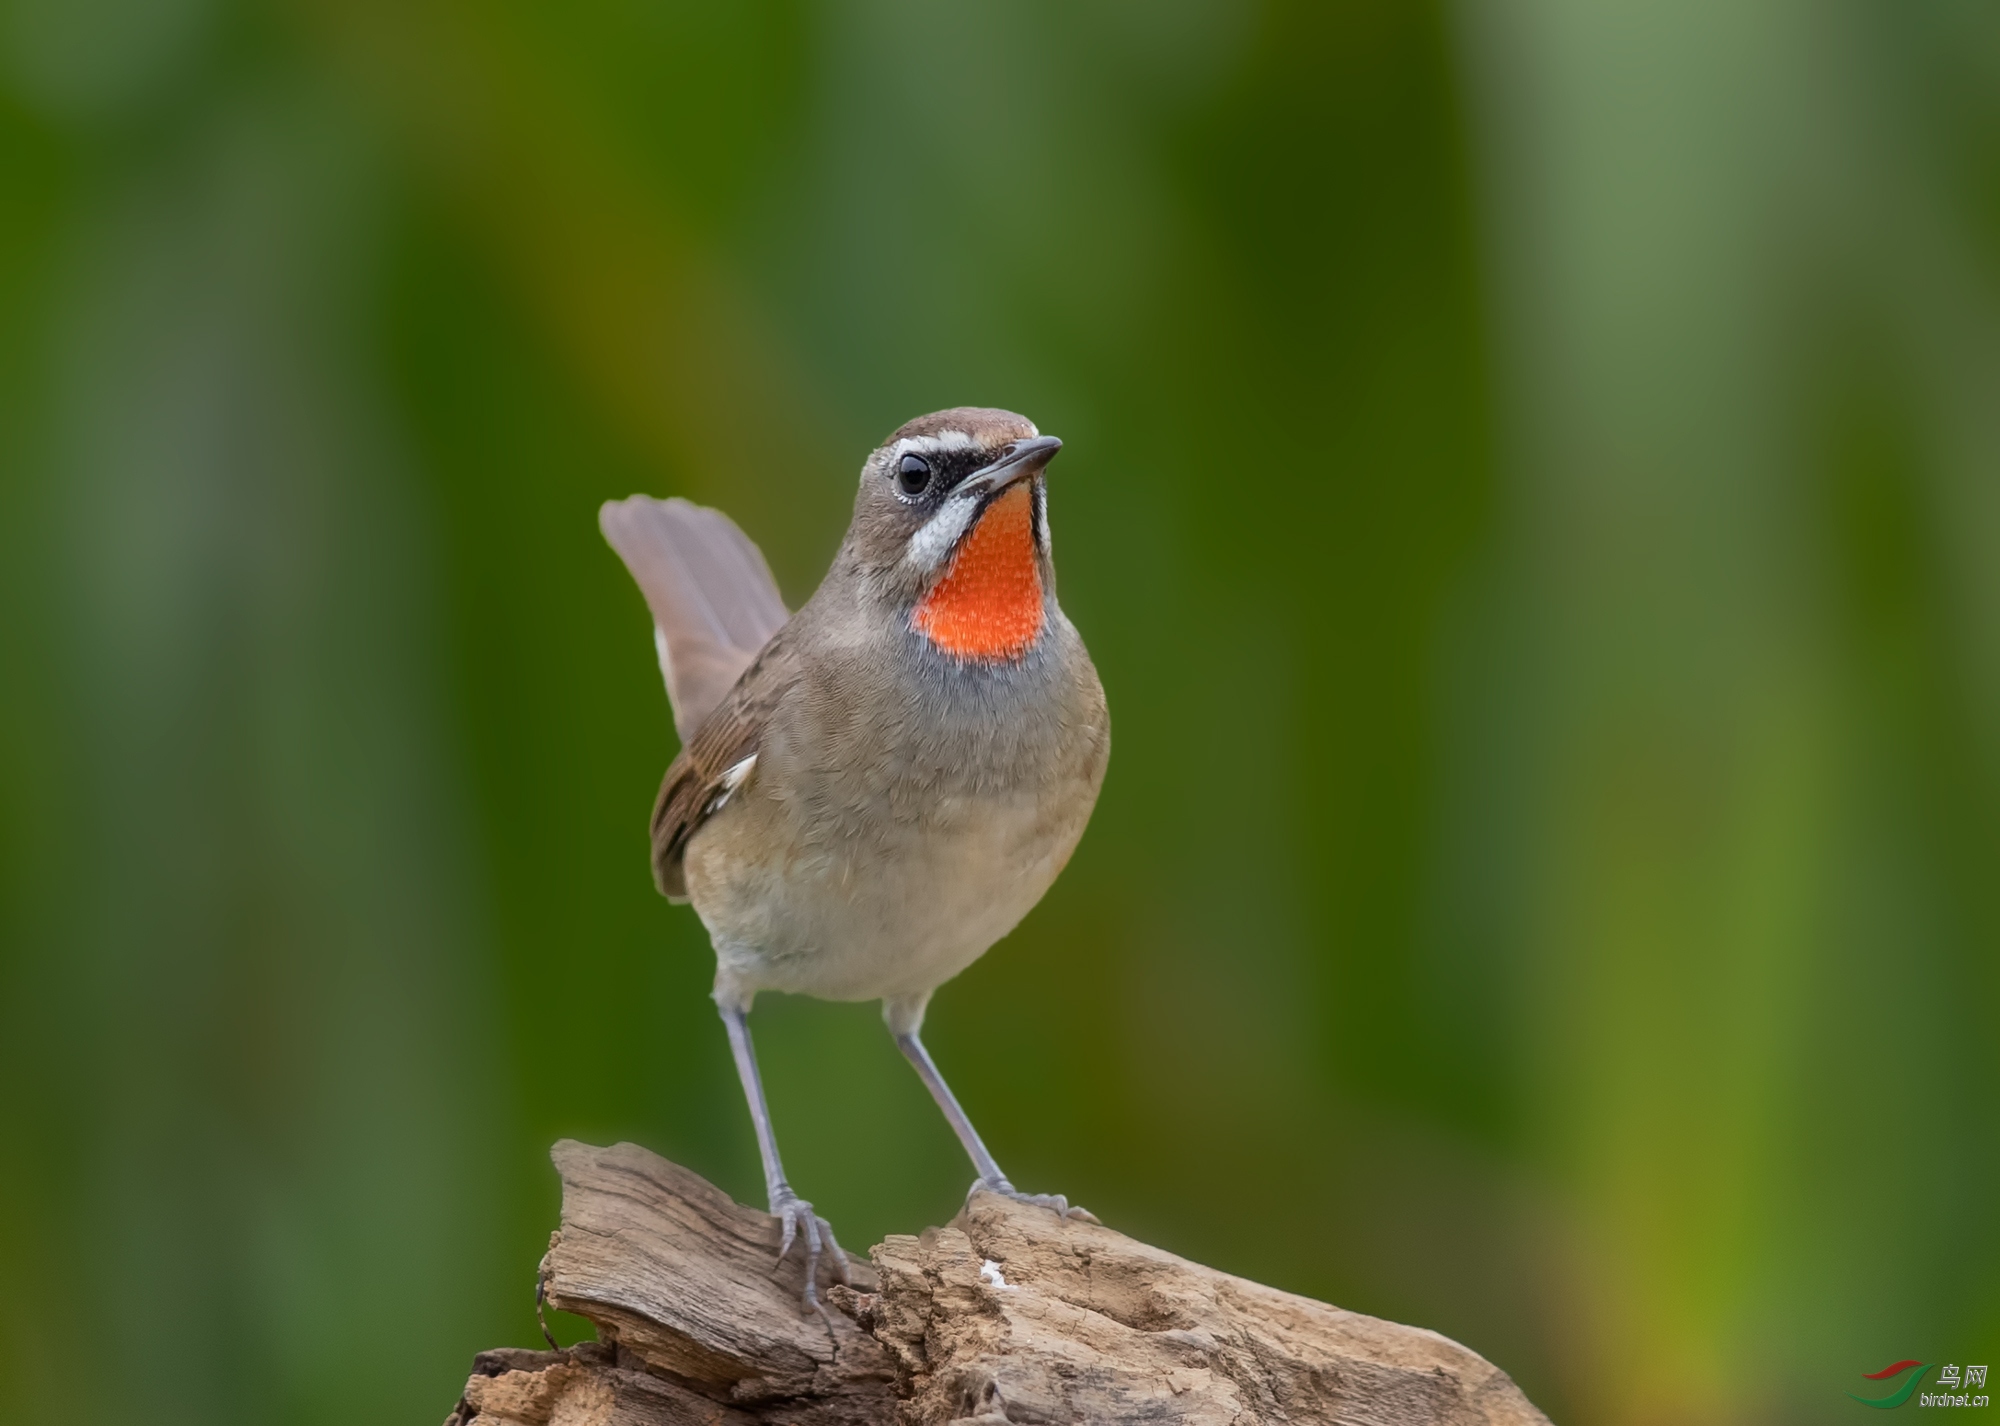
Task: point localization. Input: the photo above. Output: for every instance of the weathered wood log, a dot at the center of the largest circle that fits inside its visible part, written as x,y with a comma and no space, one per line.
1006,1315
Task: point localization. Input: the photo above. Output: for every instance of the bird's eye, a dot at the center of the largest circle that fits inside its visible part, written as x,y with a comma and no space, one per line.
913,475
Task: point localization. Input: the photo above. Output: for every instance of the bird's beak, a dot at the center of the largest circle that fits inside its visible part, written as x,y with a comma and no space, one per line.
1019,461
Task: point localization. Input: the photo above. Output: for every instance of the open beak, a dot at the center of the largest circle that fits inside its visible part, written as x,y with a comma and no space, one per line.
1019,461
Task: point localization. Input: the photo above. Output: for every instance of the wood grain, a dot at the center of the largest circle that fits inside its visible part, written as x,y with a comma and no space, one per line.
1007,1315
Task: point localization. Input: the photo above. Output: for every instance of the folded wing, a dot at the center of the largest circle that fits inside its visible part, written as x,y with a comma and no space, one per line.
713,600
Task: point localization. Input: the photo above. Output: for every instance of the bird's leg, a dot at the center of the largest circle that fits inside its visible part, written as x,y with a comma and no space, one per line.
990,1178
786,1206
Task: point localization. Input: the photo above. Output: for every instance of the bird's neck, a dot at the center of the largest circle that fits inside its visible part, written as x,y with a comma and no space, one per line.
988,606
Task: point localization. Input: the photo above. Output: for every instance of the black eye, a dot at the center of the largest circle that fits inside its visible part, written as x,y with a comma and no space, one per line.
913,475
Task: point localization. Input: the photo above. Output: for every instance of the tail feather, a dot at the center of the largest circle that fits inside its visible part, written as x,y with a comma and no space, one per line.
713,600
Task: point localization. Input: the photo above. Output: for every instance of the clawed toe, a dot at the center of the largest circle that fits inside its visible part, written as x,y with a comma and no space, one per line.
800,1222
1054,1202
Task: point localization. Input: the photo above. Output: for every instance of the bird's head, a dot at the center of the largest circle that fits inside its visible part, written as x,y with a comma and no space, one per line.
951,531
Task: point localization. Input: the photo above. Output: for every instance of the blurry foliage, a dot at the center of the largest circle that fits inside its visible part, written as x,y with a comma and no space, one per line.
1530,492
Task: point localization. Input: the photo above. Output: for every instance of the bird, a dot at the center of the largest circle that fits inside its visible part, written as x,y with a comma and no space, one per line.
874,790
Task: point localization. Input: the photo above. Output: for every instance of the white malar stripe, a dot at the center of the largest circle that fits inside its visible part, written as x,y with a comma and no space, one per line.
1042,535
730,781
930,544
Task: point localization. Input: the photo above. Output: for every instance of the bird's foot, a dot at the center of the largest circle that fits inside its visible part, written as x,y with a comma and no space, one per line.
1054,1202
801,1223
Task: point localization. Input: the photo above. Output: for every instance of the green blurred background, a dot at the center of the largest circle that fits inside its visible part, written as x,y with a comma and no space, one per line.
1532,491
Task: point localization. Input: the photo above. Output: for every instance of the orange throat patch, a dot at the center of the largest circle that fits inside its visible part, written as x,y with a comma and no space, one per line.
989,603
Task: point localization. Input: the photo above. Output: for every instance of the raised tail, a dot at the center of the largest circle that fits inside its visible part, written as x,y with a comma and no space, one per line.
713,599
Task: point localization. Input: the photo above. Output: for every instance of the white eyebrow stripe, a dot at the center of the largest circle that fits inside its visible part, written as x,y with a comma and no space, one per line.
933,445
934,540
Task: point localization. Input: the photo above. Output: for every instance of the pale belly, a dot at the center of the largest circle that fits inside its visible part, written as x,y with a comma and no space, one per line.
825,909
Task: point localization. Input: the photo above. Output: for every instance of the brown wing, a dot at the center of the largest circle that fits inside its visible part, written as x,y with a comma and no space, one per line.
700,780
713,600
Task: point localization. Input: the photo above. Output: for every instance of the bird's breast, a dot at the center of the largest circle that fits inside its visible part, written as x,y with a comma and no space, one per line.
903,815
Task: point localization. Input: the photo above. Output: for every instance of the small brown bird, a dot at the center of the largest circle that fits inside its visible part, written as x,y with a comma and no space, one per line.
874,790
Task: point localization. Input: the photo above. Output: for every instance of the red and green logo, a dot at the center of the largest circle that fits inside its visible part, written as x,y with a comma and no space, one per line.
1902,1393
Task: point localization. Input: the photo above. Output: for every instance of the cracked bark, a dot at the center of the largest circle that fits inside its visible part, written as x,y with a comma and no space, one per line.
1006,1315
